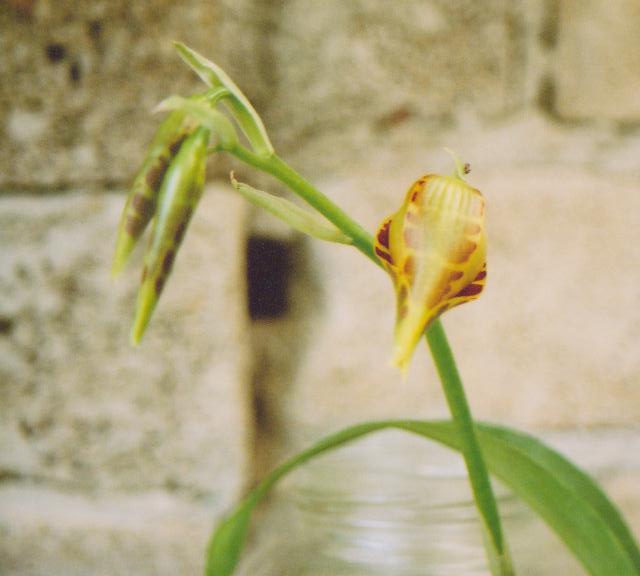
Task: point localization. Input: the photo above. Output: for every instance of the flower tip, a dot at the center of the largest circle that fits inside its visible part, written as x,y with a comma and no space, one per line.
461,168
147,300
134,339
179,46
124,247
167,105
401,360
117,265
137,330
160,107
116,269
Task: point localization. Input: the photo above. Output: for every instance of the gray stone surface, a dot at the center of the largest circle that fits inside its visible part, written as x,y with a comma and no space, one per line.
84,410
44,531
77,84
548,345
598,60
348,74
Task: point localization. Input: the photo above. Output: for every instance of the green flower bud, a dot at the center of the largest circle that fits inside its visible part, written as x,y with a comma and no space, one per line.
141,202
177,200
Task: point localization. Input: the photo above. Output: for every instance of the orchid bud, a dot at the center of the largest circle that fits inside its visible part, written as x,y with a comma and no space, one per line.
434,248
141,202
178,197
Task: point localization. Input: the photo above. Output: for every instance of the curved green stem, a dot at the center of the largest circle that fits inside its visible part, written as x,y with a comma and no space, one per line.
442,355
277,167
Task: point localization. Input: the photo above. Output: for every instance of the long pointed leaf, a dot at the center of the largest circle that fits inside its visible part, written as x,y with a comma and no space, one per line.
566,498
572,477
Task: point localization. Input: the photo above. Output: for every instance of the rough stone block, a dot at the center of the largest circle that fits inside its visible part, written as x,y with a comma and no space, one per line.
45,531
83,409
78,83
598,60
350,73
547,346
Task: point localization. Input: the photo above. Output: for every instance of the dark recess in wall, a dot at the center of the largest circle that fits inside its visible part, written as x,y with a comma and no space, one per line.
268,273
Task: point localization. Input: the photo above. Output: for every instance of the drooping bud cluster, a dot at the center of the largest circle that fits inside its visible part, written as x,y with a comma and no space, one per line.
165,192
170,182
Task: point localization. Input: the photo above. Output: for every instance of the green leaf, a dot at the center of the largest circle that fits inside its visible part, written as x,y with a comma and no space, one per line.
298,218
241,108
581,488
565,497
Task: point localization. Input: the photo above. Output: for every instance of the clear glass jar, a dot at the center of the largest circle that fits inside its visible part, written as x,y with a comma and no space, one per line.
390,505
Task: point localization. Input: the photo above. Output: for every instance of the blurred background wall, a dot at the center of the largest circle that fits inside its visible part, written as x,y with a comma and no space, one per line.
116,460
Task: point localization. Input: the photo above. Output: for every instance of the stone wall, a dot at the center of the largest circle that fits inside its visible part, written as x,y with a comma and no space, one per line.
116,460
93,429
79,85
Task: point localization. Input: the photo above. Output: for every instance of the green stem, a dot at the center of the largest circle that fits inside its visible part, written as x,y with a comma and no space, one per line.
470,447
275,166
442,355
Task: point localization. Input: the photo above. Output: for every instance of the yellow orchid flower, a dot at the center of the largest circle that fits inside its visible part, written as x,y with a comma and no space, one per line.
434,248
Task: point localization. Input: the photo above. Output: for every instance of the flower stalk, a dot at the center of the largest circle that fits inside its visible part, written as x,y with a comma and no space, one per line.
476,467
278,168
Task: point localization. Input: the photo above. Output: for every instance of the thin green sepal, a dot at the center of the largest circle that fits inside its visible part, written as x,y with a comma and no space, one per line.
298,218
237,102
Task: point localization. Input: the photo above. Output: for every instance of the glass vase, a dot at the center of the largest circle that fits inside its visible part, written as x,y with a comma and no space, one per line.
391,504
